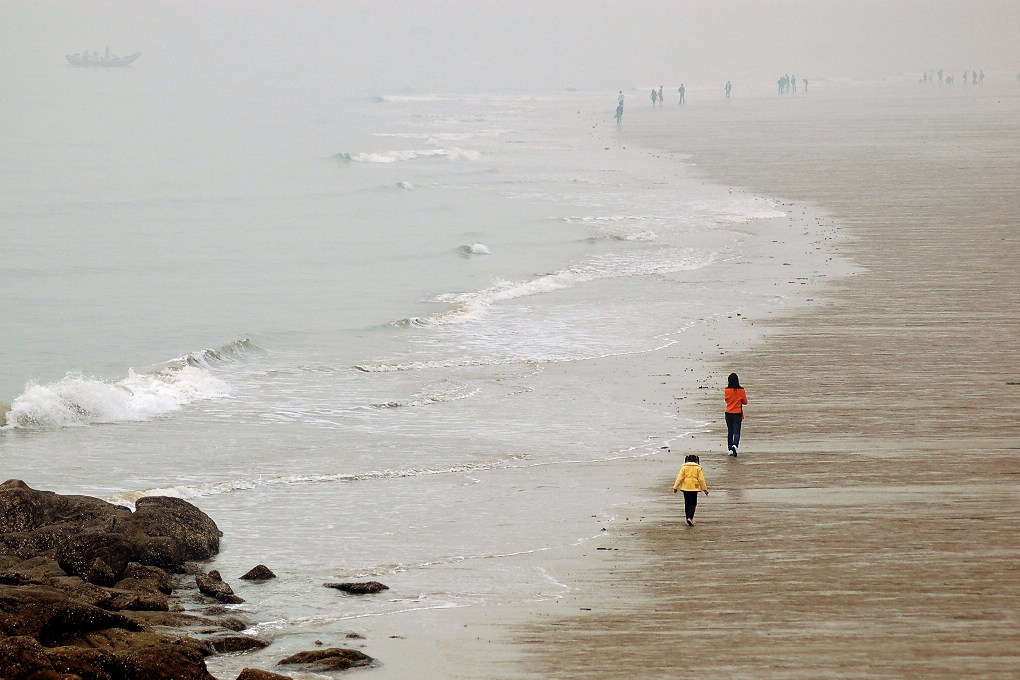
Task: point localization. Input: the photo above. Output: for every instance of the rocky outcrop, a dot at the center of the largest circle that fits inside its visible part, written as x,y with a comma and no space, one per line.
161,532
362,588
89,590
332,659
82,581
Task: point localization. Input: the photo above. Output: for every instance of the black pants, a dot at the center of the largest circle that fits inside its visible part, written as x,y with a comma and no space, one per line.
733,421
690,503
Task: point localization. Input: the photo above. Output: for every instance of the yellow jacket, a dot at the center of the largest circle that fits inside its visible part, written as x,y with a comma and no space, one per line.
691,478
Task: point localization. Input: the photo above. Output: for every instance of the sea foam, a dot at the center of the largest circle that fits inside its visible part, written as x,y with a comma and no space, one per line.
77,399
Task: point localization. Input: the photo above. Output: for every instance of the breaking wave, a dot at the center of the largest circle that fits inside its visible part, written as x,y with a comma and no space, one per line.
78,400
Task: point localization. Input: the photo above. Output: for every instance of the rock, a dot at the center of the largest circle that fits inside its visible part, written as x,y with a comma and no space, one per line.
93,664
162,532
84,583
225,644
259,572
23,509
168,662
79,553
159,551
21,657
358,588
332,659
148,602
49,616
257,674
100,573
190,528
212,585
145,579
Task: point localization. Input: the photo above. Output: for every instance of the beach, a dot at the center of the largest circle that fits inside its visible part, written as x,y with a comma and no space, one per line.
461,344
869,527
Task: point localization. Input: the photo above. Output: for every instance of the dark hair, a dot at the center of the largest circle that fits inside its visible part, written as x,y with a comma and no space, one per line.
696,459
734,381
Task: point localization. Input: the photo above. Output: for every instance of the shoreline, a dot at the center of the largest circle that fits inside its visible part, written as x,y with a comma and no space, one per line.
428,643
850,546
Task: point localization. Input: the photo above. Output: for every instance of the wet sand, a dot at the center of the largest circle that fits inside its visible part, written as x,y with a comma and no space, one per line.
871,525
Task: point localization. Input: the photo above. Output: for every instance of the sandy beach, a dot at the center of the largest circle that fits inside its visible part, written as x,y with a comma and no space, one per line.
870,527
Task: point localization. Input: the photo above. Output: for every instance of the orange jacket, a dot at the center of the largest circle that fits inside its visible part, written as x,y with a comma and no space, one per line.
735,399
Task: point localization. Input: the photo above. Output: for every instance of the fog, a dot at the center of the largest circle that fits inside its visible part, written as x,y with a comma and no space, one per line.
375,46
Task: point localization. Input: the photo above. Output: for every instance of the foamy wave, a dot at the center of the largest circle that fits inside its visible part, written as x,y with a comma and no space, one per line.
448,391
246,484
453,154
466,307
77,399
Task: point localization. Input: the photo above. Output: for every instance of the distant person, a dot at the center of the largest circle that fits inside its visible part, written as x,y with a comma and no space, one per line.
660,96
981,78
793,82
655,96
973,78
619,113
736,397
691,480
682,90
804,80
729,88
620,100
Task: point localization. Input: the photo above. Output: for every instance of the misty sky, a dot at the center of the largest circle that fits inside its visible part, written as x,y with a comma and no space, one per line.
384,46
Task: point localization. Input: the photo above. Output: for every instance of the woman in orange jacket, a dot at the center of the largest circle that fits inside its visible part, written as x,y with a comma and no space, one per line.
736,397
691,480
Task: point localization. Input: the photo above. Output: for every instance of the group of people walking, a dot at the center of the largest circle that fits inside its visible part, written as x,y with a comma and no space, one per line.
657,96
691,478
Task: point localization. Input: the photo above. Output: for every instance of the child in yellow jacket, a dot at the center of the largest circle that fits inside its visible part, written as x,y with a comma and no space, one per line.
691,480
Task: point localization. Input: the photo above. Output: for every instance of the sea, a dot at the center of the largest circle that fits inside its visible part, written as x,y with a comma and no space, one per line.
346,327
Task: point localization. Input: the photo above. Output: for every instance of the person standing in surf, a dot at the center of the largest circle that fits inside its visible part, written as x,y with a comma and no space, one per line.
736,397
691,480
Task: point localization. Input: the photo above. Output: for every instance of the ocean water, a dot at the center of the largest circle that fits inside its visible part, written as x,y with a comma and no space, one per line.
332,324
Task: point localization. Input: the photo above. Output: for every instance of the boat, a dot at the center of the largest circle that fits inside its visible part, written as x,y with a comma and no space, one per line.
92,59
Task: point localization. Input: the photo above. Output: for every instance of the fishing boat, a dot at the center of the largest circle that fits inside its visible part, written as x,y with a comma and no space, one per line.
93,59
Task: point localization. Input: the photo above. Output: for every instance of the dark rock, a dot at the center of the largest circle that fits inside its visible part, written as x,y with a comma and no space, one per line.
21,657
257,674
100,573
332,659
23,509
86,581
225,644
259,572
159,551
149,602
168,662
48,615
93,664
79,553
212,585
358,588
193,530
